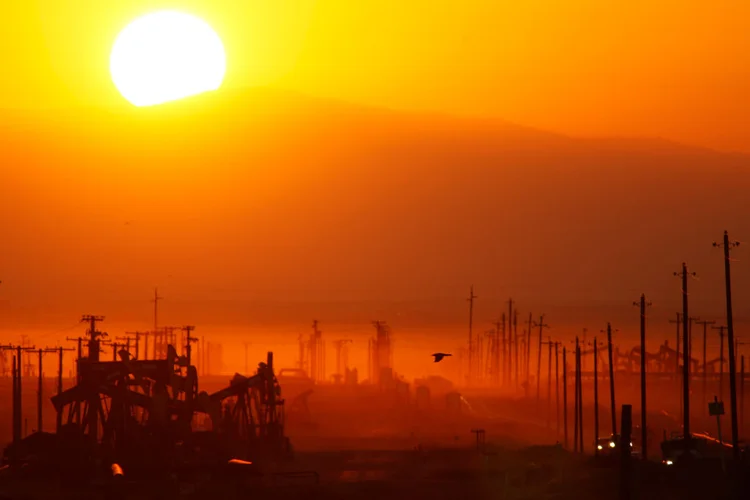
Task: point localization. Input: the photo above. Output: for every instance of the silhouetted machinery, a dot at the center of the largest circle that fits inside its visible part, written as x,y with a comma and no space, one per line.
150,415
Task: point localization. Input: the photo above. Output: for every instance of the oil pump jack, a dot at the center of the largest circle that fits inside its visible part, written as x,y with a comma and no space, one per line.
147,413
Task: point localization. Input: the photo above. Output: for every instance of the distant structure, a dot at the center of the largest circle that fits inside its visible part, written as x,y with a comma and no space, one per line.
381,354
316,354
164,337
342,359
214,358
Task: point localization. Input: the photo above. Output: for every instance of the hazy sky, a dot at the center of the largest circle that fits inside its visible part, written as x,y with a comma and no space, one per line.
267,207
673,68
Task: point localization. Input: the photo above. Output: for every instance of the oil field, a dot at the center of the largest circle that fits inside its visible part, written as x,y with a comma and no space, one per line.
527,418
392,249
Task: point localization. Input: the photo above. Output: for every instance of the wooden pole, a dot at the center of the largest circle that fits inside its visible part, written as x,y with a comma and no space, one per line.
565,398
644,434
575,401
580,400
596,399
730,342
625,452
611,380
557,387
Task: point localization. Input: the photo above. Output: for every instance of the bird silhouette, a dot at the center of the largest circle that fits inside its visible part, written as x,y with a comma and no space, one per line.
439,356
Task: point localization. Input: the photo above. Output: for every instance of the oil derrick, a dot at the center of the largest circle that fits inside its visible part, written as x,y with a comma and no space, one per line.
471,334
342,358
136,337
157,335
381,355
164,337
316,354
147,407
28,365
214,358
301,357
3,363
130,343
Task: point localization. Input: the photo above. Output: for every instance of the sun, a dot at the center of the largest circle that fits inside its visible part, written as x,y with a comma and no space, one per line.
165,56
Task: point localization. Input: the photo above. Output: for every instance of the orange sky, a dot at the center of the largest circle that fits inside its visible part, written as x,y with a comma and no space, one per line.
250,206
673,68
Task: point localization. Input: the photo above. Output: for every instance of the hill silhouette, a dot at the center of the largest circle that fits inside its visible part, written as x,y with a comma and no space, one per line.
245,195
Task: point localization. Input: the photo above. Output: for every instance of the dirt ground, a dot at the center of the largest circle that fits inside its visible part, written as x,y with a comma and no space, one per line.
530,473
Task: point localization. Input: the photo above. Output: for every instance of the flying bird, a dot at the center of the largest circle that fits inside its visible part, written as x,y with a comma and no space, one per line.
439,356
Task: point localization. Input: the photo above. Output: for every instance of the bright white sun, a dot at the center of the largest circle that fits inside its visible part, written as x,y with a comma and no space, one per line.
165,56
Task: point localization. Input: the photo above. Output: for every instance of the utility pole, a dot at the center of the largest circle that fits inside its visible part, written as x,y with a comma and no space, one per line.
742,390
496,343
79,341
557,387
93,356
137,344
528,356
515,344
156,309
14,377
18,405
580,397
596,399
643,304
511,343
685,353
471,339
189,339
549,345
565,399
611,379
541,326
575,398
727,245
40,388
721,359
705,373
691,320
678,322
583,357
59,351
